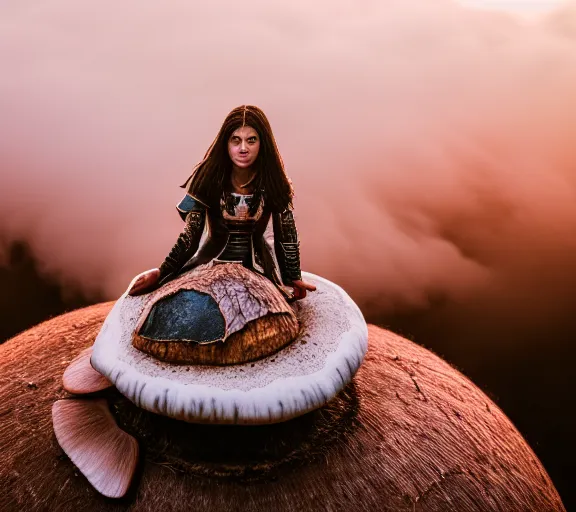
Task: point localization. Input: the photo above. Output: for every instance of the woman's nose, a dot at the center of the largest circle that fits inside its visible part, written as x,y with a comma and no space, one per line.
243,146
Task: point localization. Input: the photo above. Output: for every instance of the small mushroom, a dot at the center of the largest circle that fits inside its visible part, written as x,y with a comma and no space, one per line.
80,378
105,454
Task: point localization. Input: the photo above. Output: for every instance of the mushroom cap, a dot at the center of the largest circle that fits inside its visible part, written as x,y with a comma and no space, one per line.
382,444
299,378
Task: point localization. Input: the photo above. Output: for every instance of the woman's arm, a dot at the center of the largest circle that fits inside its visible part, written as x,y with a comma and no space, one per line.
287,246
185,247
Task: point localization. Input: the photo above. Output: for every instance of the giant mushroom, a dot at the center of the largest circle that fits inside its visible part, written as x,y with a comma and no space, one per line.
409,433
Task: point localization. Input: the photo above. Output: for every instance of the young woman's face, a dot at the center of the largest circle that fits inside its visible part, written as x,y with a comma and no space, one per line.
243,147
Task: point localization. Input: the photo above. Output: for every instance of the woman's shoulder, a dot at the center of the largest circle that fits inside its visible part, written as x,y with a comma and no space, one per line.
190,204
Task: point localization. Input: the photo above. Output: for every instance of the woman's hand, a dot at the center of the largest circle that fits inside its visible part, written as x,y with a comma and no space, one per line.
300,288
145,282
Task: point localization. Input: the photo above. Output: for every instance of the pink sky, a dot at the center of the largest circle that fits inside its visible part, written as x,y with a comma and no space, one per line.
431,146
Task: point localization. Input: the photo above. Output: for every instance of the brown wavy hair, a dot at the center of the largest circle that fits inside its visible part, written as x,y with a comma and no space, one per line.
210,179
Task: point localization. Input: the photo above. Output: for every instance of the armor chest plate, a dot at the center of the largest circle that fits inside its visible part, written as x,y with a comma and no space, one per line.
241,225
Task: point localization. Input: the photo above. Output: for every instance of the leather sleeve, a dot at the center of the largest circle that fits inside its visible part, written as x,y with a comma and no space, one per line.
185,247
287,246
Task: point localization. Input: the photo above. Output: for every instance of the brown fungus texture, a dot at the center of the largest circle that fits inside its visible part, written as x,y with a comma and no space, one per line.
409,434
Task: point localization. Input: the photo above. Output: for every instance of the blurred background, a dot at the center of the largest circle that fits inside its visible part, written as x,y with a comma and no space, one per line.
430,143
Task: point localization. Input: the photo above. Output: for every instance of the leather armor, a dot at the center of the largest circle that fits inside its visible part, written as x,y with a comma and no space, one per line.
186,245
287,246
221,240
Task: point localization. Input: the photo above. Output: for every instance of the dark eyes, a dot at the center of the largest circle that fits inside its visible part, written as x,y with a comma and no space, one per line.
236,140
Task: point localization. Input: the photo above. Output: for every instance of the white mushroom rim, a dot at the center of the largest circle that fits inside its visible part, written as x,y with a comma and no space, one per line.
299,378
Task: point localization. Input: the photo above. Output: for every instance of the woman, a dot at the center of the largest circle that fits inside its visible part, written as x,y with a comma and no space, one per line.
232,195
242,170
